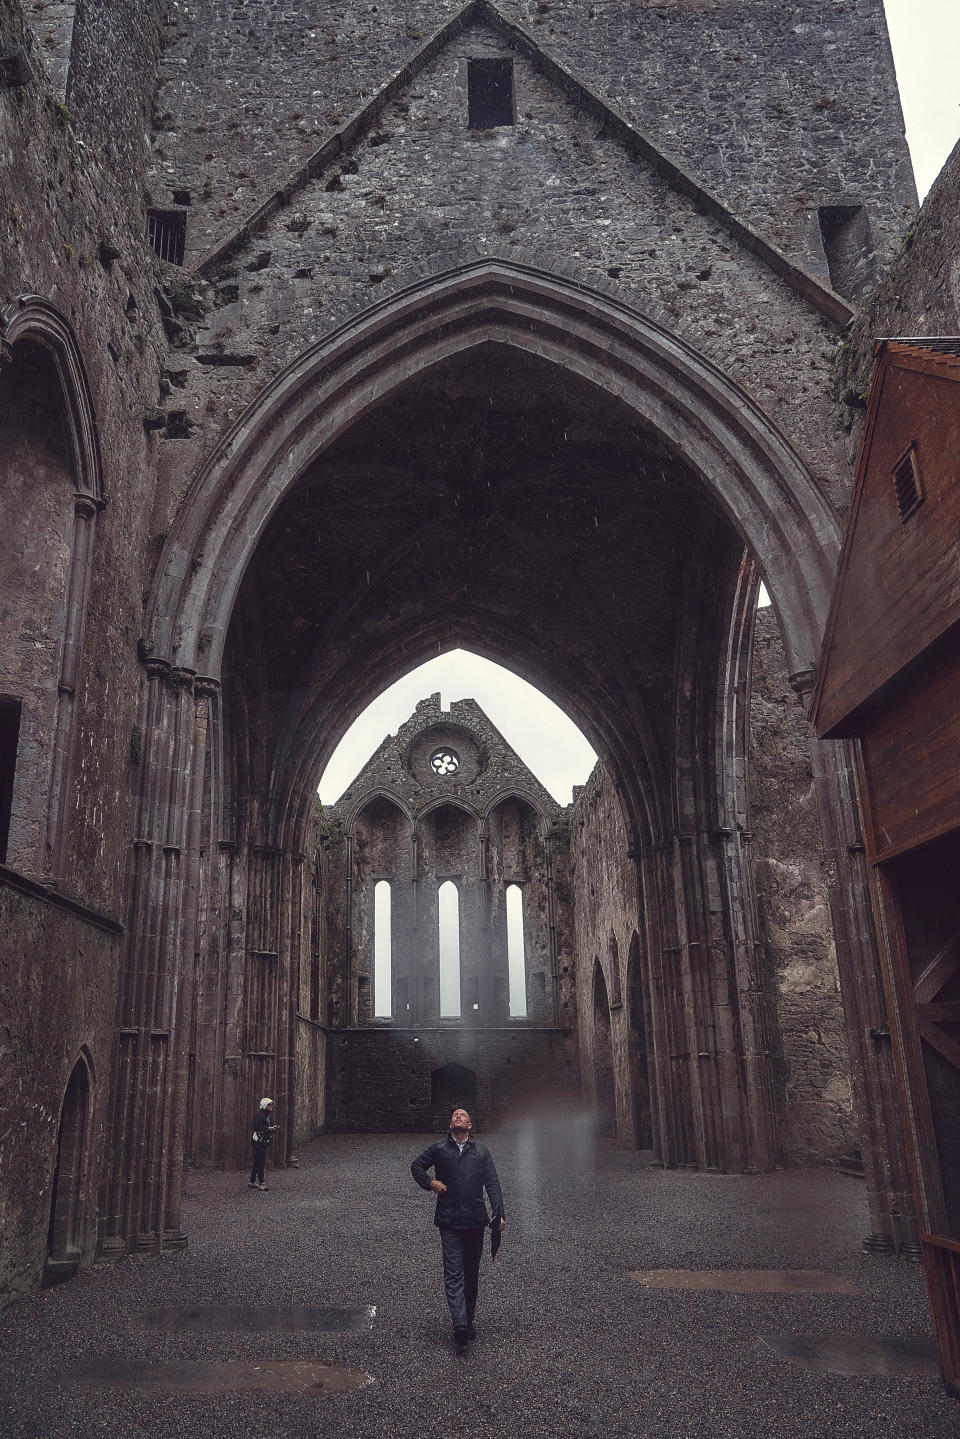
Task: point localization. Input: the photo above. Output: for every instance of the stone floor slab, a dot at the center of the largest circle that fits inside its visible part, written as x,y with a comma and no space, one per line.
746,1281
185,1376
859,1354
261,1318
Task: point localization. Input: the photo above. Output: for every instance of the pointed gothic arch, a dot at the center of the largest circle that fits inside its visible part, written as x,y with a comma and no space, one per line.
739,455
718,435
32,327
68,1234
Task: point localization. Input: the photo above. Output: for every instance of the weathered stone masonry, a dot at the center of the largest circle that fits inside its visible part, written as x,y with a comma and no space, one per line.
559,391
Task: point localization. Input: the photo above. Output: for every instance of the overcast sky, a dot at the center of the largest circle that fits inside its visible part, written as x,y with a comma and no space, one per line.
925,36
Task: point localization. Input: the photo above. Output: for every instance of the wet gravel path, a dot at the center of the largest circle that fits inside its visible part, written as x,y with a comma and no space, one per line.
569,1344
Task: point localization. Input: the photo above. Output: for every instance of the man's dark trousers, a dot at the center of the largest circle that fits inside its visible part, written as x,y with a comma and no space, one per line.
462,1251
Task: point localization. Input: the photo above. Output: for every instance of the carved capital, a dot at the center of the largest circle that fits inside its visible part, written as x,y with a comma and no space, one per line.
87,506
181,678
157,669
205,686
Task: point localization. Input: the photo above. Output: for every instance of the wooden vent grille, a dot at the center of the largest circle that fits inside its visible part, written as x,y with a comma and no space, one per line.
906,483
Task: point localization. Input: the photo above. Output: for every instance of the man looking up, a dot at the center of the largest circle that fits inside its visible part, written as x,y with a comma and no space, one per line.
462,1170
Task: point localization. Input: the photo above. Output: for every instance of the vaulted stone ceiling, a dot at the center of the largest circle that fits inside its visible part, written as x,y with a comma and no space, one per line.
498,502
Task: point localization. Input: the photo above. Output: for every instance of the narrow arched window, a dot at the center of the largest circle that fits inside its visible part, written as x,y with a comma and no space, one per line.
382,951
448,921
516,956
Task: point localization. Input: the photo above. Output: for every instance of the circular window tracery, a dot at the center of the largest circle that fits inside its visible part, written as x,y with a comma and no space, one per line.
444,761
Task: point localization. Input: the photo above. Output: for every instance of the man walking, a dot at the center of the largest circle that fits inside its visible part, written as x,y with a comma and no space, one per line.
462,1170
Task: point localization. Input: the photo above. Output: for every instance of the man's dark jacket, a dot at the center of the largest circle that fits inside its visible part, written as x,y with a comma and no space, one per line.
466,1176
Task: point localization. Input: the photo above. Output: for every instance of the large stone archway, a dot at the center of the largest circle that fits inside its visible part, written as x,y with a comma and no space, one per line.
739,455
219,871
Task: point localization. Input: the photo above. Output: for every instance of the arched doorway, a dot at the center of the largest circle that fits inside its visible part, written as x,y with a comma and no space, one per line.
67,1229
605,1098
409,484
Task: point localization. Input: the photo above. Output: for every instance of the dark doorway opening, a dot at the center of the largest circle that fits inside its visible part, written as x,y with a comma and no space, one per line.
925,885
66,1231
603,1058
452,1086
640,1082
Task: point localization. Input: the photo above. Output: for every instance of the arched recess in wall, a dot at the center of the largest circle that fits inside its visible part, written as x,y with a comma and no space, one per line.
637,1031
379,900
739,456
67,1237
52,487
519,865
449,917
605,1099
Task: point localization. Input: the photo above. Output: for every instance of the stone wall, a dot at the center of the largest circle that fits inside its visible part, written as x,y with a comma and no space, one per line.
919,295
311,1081
380,1079
779,112
55,1014
800,966
606,928
804,1008
71,233
415,189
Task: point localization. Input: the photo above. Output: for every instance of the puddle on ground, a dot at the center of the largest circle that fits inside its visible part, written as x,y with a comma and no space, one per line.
236,1376
858,1353
261,1319
746,1281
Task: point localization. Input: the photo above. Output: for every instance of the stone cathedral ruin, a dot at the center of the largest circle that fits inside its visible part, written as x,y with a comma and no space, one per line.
337,337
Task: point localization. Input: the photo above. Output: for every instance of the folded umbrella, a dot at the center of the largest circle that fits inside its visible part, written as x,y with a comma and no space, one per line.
494,1236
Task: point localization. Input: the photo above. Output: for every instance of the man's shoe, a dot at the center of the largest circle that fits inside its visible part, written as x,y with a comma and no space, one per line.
252,1184
461,1334
263,1186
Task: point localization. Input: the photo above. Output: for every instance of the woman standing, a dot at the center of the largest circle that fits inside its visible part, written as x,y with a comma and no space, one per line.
263,1132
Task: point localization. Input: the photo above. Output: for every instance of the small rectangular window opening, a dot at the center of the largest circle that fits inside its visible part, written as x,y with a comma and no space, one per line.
907,484
167,233
845,233
490,94
10,710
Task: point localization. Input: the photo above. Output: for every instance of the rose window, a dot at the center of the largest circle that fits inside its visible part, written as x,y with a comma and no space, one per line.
444,761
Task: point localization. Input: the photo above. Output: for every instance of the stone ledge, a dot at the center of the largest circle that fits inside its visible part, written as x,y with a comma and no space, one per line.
12,880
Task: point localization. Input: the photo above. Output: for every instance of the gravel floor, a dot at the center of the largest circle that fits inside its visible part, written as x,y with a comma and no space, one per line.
569,1344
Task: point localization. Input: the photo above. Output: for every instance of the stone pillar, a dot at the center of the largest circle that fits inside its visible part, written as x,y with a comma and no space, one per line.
147,1099
555,1016
86,507
710,1083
